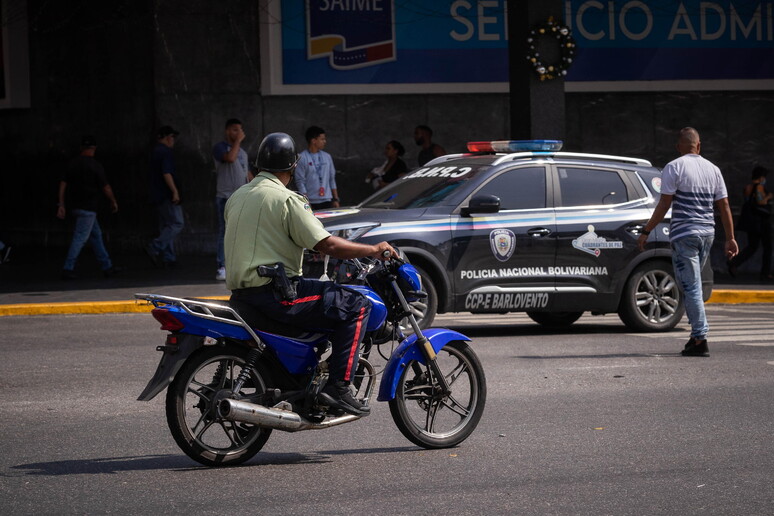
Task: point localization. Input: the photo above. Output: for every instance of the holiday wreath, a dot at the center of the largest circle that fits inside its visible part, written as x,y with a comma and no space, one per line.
553,32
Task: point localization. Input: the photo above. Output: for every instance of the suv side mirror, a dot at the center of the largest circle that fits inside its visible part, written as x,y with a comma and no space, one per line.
482,204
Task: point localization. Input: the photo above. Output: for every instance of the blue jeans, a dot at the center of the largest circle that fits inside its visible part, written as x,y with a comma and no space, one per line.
689,255
170,225
220,207
87,229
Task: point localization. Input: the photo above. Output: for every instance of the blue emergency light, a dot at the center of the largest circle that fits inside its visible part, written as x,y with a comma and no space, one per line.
516,146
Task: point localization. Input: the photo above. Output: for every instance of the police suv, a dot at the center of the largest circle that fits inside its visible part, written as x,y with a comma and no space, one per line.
517,226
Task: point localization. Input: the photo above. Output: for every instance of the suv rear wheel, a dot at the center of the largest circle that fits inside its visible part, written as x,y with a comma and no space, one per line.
651,299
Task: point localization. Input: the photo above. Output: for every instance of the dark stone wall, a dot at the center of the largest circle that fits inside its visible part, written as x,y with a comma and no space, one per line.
121,69
89,74
734,128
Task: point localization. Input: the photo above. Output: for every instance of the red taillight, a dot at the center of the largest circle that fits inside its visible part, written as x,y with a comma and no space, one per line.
480,147
168,321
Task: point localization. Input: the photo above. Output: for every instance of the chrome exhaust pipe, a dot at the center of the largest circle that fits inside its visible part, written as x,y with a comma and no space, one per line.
273,417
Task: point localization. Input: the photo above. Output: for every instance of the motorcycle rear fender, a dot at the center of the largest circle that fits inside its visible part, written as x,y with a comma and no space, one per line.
409,350
170,364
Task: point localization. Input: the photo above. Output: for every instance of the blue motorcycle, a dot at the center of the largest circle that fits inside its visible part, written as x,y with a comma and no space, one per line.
232,375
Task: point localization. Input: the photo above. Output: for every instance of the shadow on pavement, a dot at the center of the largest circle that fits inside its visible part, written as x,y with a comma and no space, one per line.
533,329
108,465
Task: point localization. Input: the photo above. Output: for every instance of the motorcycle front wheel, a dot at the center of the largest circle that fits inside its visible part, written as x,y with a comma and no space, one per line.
192,399
427,417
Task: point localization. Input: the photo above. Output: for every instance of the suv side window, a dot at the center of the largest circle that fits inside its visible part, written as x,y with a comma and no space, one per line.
591,187
518,189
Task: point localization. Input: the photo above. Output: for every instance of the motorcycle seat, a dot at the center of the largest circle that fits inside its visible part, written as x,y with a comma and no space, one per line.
256,319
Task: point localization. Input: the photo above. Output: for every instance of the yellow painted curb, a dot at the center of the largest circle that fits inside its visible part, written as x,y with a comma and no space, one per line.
93,307
110,307
741,296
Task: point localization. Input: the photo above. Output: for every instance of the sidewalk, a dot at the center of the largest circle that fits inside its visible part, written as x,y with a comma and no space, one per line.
30,285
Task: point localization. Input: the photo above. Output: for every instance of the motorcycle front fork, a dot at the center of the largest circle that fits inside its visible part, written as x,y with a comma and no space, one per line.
433,369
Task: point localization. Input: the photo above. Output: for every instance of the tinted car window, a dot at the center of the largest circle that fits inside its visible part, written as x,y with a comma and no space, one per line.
591,187
519,189
653,181
426,187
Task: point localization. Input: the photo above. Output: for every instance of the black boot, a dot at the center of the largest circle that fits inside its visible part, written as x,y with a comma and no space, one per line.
696,348
338,395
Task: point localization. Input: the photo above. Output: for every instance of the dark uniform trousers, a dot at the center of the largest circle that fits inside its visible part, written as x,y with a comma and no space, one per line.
319,305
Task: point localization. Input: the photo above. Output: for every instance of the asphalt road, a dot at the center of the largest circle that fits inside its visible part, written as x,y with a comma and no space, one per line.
595,420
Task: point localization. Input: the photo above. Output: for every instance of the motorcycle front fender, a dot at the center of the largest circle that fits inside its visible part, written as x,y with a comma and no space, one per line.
170,364
409,350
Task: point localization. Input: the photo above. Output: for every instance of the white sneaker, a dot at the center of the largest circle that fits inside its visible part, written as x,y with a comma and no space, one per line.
221,274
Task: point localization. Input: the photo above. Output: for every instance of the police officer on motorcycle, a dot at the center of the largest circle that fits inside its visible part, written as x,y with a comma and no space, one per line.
267,225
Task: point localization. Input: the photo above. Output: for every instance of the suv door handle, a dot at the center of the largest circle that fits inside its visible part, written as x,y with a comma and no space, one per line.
538,232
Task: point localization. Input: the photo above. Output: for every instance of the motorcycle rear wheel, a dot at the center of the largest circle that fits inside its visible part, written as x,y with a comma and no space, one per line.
191,405
429,419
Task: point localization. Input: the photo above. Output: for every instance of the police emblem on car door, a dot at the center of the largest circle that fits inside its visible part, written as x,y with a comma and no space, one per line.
503,243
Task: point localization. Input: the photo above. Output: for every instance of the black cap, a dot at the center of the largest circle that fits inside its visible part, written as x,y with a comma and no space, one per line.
88,141
166,130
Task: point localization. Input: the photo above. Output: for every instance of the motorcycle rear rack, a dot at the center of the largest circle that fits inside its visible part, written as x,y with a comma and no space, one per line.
204,310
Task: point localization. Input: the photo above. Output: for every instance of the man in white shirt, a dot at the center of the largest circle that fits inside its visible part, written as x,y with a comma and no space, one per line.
692,186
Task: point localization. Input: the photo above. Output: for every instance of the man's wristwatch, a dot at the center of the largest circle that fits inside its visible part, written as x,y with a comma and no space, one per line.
335,199
644,231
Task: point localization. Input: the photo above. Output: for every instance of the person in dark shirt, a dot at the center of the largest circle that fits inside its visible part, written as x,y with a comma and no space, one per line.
757,224
83,184
423,136
165,195
394,168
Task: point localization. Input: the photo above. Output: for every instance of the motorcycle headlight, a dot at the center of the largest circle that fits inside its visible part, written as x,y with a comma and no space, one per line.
410,282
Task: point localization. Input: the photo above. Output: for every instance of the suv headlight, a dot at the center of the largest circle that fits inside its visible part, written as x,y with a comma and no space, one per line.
352,232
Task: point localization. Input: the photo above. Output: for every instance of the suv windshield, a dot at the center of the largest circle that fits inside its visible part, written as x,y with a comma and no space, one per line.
426,187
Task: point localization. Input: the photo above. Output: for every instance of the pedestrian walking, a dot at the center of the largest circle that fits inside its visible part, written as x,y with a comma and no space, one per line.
755,220
165,195
231,169
691,186
80,189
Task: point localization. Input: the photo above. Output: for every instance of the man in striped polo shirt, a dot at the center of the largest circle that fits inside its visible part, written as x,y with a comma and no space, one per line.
692,186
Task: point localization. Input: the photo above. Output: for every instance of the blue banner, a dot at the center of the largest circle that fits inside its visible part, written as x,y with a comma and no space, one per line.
459,42
655,40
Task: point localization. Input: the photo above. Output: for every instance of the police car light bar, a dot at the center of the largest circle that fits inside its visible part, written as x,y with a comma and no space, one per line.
516,146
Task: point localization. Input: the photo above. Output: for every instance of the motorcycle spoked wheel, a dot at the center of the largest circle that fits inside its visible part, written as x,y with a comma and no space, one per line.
192,397
429,419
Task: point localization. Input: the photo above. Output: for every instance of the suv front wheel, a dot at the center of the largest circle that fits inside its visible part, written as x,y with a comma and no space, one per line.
424,309
651,299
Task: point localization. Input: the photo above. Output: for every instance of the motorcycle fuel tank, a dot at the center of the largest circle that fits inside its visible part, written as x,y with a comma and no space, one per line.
378,310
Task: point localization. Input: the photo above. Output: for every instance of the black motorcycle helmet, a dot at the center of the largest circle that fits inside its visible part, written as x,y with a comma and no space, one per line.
277,153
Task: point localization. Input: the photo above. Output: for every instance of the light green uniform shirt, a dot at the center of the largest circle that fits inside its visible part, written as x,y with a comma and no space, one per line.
266,223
